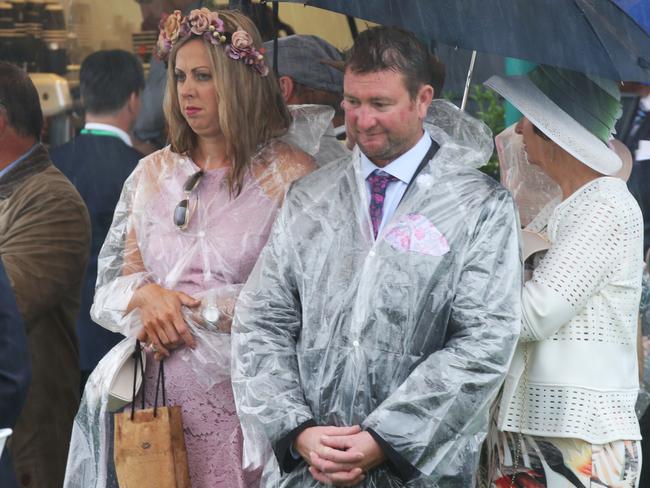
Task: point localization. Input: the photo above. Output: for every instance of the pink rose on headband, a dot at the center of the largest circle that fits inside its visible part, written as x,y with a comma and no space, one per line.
172,25
199,20
241,40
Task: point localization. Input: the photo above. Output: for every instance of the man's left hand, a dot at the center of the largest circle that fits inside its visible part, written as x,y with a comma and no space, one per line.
326,469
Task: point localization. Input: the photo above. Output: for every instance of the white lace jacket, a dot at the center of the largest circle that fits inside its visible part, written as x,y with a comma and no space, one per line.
575,370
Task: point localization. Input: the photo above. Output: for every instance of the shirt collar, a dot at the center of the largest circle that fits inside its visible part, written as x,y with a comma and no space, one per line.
110,128
644,103
8,168
404,167
643,151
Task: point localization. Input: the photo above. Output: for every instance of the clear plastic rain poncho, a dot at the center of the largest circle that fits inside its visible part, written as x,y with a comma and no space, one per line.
410,335
209,260
536,194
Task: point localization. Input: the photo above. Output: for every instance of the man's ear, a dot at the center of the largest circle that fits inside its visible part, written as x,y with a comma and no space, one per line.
424,99
286,87
133,103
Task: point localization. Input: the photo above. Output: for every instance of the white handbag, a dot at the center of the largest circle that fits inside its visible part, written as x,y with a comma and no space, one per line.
533,242
120,392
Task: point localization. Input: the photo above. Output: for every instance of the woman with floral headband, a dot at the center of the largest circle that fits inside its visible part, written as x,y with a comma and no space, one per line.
186,233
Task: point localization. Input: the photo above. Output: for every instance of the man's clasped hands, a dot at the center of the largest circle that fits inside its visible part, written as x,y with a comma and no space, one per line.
339,455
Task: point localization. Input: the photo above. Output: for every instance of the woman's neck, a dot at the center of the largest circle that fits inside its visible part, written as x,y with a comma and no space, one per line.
572,175
210,153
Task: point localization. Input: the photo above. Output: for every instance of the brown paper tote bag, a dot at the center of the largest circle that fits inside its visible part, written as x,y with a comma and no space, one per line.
149,447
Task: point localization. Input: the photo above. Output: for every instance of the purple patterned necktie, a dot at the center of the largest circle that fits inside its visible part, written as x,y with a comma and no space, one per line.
378,183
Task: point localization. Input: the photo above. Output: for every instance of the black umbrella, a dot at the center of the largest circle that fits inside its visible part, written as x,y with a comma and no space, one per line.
592,36
639,10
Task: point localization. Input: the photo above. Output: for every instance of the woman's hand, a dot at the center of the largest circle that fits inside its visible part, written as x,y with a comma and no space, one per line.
162,319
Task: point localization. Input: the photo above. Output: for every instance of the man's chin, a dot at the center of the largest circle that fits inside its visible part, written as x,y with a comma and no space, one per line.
372,151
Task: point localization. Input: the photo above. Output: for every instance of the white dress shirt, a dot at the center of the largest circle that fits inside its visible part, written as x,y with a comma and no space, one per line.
643,150
402,168
110,128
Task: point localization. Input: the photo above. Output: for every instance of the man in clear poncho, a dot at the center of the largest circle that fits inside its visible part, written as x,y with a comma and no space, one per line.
380,320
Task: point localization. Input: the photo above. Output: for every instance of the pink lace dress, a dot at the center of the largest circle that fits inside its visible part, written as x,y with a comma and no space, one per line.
218,249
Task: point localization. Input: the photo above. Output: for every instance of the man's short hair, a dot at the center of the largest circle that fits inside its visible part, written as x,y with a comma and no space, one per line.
391,48
19,101
108,78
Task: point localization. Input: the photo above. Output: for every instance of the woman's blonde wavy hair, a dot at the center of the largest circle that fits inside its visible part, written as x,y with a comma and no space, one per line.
251,108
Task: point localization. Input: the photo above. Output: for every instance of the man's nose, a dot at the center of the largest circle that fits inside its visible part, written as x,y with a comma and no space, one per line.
365,118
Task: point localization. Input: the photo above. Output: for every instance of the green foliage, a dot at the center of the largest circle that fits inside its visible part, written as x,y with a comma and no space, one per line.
485,105
490,109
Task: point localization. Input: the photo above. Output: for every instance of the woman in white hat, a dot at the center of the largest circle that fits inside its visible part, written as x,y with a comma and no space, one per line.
566,416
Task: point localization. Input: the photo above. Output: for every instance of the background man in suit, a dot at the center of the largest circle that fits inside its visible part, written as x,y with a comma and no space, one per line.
149,129
310,73
636,135
44,239
97,162
15,371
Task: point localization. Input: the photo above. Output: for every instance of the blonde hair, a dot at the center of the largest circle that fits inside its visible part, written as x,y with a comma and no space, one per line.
251,108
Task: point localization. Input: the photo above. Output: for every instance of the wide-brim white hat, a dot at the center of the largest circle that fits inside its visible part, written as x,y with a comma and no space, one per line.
556,123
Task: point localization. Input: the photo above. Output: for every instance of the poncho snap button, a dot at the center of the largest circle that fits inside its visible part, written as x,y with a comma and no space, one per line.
355,343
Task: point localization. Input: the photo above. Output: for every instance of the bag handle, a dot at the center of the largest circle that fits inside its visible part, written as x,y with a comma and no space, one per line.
137,359
160,383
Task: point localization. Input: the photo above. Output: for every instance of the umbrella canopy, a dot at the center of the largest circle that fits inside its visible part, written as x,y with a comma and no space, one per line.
592,36
639,10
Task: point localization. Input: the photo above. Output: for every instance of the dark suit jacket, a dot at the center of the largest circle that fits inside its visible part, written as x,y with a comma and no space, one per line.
639,186
639,181
641,134
15,370
630,104
97,166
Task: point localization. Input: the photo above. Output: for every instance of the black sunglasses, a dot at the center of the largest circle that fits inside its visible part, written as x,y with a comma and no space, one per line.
182,212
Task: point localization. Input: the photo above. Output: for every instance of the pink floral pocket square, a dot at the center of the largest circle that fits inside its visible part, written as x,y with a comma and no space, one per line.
415,233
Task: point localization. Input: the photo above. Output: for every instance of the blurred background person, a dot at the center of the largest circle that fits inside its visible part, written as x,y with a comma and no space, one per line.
149,131
97,162
15,371
636,135
44,240
309,70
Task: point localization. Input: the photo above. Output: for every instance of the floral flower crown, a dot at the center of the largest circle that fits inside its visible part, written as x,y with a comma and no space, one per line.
207,24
